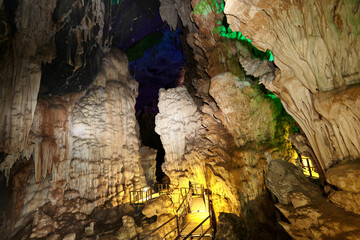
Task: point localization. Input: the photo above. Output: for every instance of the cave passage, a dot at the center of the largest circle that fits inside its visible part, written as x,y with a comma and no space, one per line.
156,61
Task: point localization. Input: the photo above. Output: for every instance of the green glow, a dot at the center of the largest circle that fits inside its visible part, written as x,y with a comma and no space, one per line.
204,7
224,30
295,129
228,33
271,57
137,51
272,96
280,111
222,7
113,2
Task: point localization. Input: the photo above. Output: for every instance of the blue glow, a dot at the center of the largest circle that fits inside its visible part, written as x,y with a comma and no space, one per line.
159,67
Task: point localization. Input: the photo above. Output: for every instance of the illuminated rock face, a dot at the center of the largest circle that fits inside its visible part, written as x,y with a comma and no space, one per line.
229,158
163,208
235,167
344,176
319,66
315,46
20,71
244,113
212,158
86,148
35,38
310,214
179,126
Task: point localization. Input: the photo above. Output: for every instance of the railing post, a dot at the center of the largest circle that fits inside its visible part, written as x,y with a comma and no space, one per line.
164,232
177,225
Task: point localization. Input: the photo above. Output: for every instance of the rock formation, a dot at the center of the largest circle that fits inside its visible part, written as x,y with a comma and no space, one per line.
20,70
163,209
344,176
179,126
227,157
69,138
30,45
128,230
148,164
317,80
86,147
310,215
319,66
242,111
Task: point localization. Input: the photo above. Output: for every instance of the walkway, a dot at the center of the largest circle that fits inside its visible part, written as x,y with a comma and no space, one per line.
197,214
193,217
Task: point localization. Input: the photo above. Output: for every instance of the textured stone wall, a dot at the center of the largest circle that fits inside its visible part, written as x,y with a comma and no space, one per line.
20,71
55,34
239,126
85,149
179,125
316,47
303,204
246,114
235,174
148,163
202,146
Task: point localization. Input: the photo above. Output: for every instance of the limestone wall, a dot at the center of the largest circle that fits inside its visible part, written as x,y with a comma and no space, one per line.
179,125
20,71
85,149
316,47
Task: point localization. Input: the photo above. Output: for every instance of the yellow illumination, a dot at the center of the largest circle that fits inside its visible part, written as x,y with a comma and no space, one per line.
308,167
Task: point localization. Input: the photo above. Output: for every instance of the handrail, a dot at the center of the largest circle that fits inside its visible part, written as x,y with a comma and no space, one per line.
182,203
155,230
189,235
142,195
203,235
183,208
190,190
184,228
170,232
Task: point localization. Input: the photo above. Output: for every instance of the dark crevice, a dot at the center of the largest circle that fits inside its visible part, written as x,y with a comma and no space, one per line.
151,139
10,8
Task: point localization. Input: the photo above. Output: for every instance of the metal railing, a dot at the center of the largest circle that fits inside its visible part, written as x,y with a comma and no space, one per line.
183,208
142,195
198,189
139,197
202,234
162,226
163,188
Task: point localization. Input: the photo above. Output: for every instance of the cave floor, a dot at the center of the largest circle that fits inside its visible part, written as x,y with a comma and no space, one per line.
198,212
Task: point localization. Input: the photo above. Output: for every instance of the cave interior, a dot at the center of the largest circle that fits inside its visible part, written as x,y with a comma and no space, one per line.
179,119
